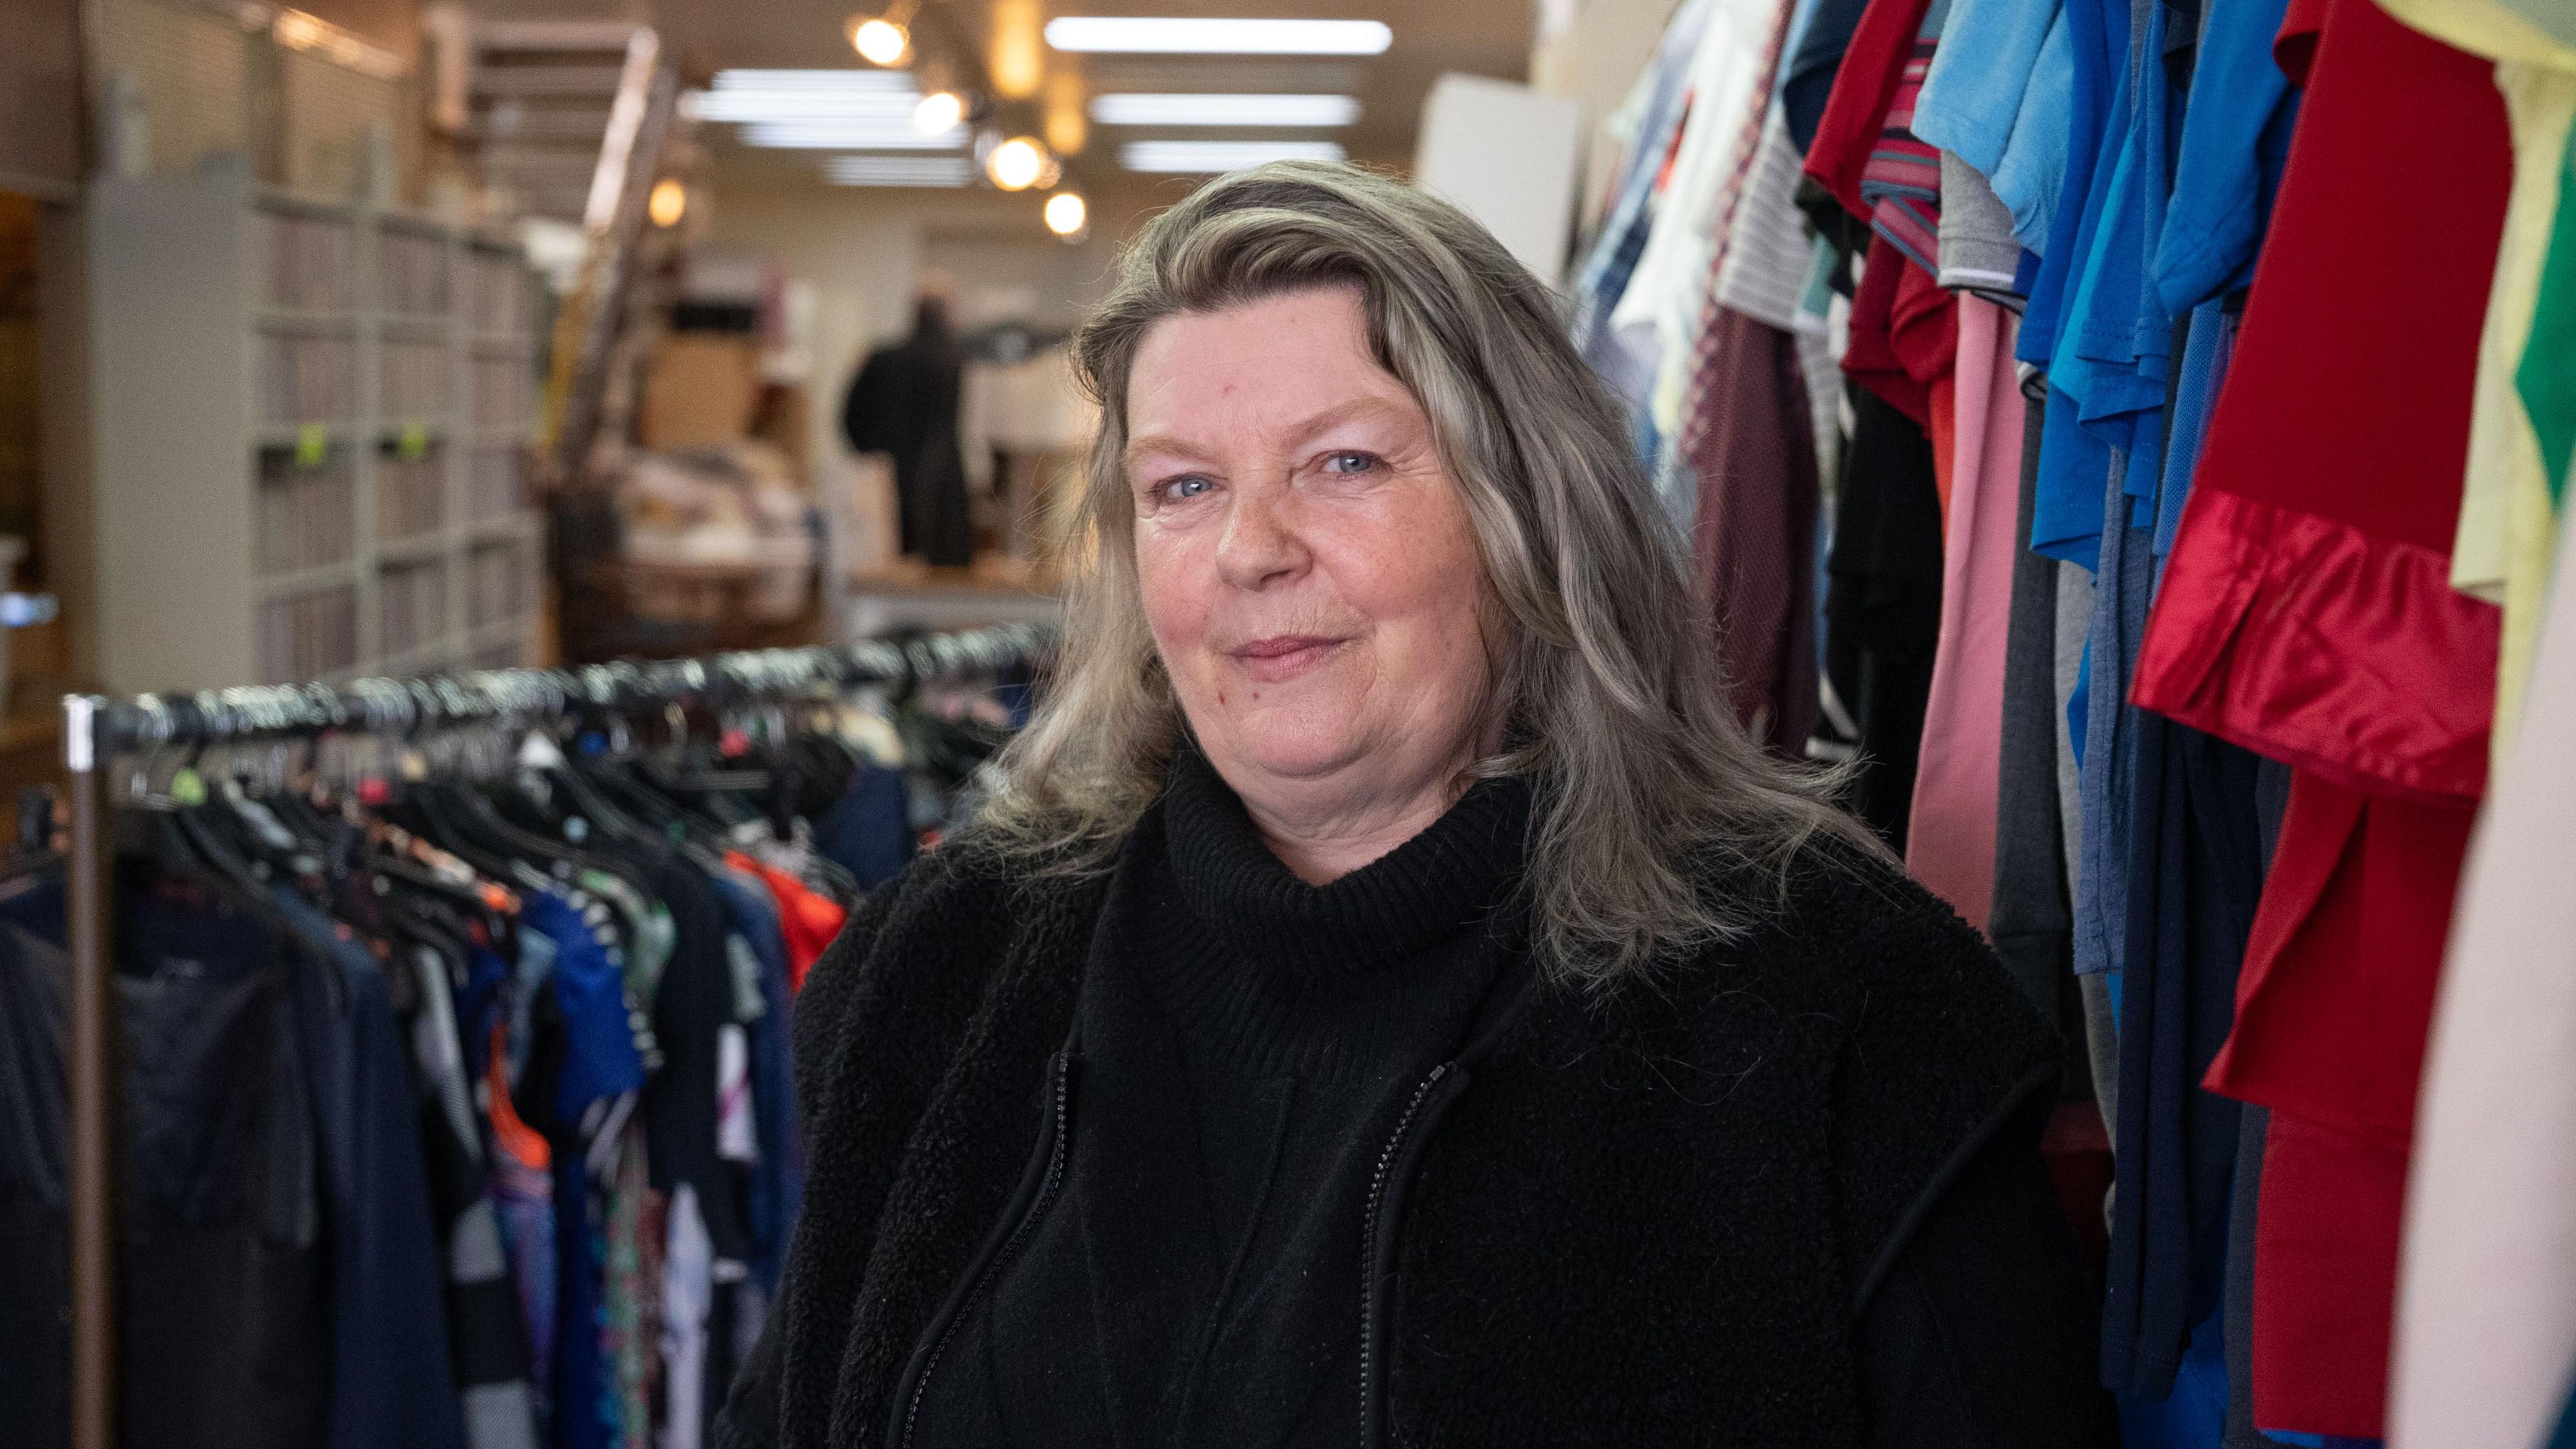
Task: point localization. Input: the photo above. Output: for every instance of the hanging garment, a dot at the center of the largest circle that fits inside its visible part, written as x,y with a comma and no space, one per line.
485,1341
1652,119
224,1311
2106,758
2486,1329
1950,842
2195,871
2030,174
1873,70
1978,252
2331,1014
1754,539
1904,335
2508,523
1659,315
2306,610
1813,65
1901,181
1883,604
1974,90
809,921
391,1383
2031,921
2227,166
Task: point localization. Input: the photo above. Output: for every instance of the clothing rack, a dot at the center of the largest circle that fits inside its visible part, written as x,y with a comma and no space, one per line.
97,730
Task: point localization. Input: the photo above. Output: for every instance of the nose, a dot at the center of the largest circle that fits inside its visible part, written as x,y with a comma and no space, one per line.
1260,545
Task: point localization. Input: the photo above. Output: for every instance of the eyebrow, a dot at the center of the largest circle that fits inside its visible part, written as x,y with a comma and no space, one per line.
1330,418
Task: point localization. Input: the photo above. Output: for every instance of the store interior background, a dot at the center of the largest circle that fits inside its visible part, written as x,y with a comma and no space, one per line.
295,380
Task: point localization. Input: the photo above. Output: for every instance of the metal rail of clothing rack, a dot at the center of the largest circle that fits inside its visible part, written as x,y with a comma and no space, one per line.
97,730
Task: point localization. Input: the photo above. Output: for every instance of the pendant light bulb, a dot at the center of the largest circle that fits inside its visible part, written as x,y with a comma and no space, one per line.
1016,164
1066,214
880,41
667,202
939,111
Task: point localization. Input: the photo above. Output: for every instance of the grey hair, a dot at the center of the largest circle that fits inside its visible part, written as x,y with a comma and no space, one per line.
1607,692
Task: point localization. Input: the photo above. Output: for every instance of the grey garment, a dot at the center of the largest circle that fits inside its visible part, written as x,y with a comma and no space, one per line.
2074,621
1979,252
2031,918
2121,588
2237,1331
2102,1047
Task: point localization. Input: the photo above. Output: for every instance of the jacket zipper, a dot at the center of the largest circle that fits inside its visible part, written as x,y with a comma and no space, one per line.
1056,1159
1368,1253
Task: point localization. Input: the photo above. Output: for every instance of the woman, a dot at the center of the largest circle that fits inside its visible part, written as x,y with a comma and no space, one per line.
1391,1002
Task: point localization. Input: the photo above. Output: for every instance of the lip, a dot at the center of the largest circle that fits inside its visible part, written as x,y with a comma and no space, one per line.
1283,657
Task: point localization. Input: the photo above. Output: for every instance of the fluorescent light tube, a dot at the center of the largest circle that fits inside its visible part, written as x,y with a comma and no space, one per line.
801,106
1213,156
894,135
1164,109
898,170
1160,35
843,80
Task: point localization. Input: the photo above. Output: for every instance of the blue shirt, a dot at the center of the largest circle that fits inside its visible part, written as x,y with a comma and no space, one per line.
1974,90
2031,173
2234,134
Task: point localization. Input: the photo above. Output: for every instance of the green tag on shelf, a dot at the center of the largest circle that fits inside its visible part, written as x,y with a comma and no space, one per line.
187,788
312,445
415,441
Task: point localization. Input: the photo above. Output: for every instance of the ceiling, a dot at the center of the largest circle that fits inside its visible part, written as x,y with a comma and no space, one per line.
1483,37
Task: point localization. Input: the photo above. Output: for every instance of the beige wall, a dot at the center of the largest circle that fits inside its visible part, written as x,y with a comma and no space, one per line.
863,250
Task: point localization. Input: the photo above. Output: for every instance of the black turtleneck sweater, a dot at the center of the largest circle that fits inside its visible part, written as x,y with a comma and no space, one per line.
1247,1044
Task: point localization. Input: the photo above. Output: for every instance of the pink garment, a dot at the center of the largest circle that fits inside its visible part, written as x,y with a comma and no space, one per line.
1950,846
2486,1318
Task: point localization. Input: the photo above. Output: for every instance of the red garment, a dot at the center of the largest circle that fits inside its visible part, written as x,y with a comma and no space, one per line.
808,921
2306,611
2325,1278
1904,335
1864,88
2332,1009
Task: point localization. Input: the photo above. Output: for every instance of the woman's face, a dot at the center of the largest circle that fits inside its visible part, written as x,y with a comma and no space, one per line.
1308,567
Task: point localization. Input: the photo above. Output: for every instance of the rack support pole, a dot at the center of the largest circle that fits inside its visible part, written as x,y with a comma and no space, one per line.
92,1087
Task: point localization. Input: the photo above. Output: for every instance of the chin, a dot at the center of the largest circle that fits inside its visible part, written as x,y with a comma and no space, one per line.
1289,748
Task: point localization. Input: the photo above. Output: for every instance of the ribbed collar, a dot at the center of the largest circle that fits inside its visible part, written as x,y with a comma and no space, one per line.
1456,872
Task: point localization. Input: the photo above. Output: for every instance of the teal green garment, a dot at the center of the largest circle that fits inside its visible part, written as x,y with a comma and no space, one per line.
2547,377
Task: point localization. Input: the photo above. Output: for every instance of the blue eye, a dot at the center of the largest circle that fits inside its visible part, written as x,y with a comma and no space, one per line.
1349,461
1184,488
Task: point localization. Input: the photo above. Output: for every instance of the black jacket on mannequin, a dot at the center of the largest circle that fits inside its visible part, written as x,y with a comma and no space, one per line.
904,403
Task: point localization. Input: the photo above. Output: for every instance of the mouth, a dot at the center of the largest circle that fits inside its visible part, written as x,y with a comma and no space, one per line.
1284,656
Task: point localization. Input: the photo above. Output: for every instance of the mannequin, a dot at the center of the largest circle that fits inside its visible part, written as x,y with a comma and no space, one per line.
904,403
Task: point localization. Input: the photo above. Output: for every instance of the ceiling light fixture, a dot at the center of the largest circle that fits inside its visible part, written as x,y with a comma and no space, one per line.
1066,215
879,39
839,80
1163,35
1209,157
1017,164
898,170
938,112
668,202
895,135
1168,109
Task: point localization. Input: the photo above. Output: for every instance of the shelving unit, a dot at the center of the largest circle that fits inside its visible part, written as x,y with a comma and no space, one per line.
310,433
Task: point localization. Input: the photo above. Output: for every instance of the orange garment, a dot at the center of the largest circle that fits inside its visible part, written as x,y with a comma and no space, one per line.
808,921
516,1140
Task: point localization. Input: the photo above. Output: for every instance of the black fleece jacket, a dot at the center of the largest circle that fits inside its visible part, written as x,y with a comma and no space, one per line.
1750,1203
